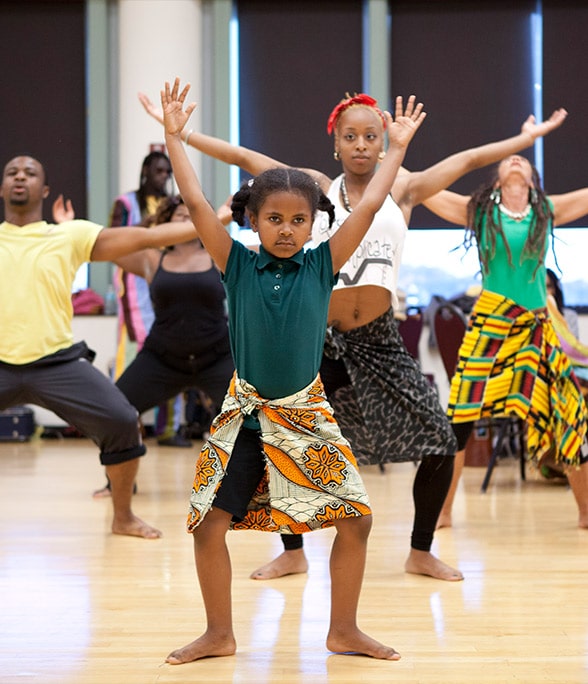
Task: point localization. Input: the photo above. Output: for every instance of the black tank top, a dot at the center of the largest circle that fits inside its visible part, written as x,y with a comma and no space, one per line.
189,308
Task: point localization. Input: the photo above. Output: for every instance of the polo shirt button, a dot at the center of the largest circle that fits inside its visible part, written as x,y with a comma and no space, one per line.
278,275
276,287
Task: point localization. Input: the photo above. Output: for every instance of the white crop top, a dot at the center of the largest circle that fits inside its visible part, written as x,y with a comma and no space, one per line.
376,261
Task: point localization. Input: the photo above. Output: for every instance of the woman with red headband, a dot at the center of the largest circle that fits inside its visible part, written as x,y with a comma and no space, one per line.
383,403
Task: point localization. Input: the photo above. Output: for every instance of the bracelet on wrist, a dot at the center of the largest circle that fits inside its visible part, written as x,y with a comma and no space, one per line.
188,134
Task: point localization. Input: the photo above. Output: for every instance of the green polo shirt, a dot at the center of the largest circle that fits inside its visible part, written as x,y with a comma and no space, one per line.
278,316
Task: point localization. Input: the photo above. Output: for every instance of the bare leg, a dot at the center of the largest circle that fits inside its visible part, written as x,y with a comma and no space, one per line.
347,566
213,565
578,479
444,519
122,478
287,563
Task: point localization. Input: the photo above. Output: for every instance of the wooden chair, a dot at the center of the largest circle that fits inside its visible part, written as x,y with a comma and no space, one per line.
506,434
410,330
450,325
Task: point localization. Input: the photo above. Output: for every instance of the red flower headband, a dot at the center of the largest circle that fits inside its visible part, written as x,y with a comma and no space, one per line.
361,99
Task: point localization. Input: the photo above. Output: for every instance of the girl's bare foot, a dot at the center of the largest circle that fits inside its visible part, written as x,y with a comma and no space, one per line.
287,563
424,563
358,643
206,646
134,527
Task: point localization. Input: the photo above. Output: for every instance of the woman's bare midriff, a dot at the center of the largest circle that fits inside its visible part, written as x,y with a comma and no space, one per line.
353,307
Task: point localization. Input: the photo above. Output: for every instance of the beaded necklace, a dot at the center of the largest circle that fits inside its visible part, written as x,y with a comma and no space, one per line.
345,196
516,215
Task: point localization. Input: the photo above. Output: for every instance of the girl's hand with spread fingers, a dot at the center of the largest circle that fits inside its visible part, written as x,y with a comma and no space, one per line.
172,102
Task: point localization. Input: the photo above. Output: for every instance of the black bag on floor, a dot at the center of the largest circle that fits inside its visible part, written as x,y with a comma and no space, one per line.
17,424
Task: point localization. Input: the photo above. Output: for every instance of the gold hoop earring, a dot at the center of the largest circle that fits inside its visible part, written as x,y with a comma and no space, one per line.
336,156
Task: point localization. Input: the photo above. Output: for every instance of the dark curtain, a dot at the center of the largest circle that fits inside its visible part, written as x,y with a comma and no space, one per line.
470,64
296,61
565,56
43,113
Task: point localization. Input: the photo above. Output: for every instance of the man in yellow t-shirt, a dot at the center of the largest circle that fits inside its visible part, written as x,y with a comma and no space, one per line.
39,362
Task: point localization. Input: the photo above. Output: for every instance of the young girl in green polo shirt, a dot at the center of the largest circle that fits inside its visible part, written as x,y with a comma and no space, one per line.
276,459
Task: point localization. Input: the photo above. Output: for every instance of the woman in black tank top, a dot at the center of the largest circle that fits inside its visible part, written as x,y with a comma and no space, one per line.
188,345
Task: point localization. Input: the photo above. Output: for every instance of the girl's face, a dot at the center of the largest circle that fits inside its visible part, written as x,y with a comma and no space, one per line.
181,214
515,165
284,223
359,139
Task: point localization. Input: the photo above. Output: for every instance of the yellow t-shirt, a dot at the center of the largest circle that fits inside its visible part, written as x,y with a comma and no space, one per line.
38,264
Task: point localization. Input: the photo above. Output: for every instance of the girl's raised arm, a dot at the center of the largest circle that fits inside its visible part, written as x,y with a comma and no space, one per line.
211,231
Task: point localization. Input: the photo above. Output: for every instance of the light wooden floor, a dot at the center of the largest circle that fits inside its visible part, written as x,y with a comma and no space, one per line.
80,606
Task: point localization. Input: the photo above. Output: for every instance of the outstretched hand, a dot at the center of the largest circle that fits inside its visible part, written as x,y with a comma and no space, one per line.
63,210
150,108
406,122
172,102
536,130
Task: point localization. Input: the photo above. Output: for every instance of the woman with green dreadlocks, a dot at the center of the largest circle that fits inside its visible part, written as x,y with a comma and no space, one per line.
510,361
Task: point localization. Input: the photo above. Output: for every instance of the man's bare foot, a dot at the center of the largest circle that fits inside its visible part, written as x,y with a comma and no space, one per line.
444,520
134,527
287,563
424,563
583,522
358,643
206,646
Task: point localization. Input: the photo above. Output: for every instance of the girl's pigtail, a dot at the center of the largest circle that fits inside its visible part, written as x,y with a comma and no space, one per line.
239,204
325,204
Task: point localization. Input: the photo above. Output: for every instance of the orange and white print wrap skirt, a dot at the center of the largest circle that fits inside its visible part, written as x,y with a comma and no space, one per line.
311,477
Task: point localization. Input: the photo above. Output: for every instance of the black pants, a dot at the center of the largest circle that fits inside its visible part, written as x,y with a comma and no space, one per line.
244,473
152,379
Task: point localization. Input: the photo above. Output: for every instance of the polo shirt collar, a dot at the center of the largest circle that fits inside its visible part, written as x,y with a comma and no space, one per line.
265,258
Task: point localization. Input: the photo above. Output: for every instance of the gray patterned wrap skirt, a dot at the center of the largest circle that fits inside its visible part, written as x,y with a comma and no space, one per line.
390,412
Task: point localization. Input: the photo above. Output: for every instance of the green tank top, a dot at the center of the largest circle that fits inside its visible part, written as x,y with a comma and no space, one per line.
516,279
